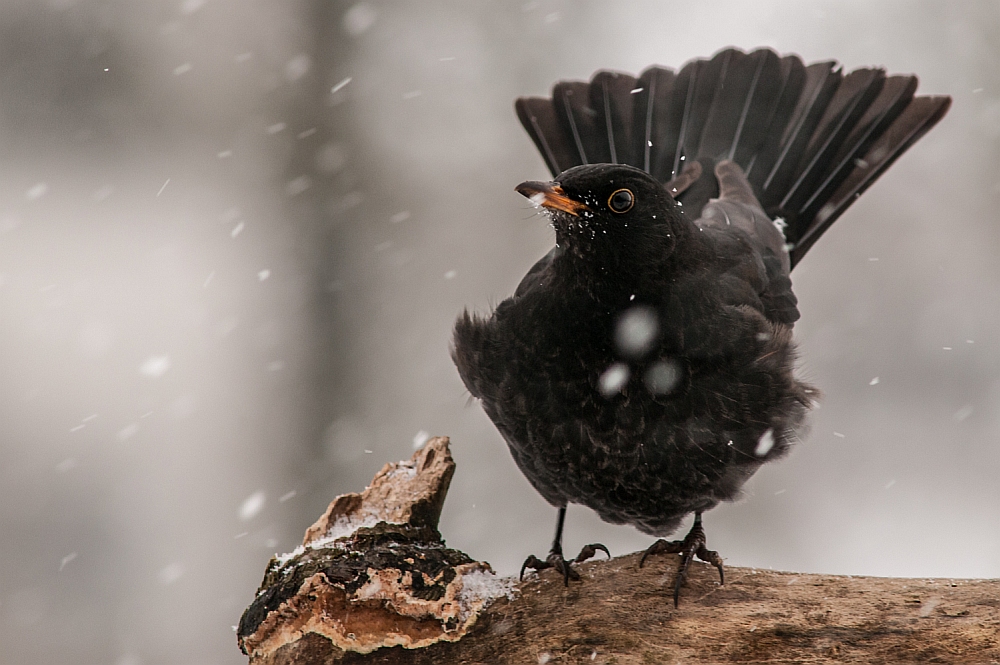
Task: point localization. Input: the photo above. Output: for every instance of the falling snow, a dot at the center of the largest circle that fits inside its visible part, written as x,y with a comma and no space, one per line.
66,559
102,194
928,606
340,86
636,331
765,443
191,6
298,67
613,379
171,573
37,191
358,19
298,185
662,376
252,506
155,366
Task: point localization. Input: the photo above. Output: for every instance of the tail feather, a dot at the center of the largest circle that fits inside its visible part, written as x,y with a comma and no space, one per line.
667,133
741,109
611,96
649,108
809,138
580,122
709,76
538,116
896,93
915,120
853,97
820,85
793,79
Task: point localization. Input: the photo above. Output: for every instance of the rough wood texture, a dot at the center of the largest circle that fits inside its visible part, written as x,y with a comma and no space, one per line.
409,492
618,613
622,614
373,572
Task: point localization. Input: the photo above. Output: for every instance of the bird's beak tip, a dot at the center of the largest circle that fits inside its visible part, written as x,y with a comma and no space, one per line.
529,188
550,195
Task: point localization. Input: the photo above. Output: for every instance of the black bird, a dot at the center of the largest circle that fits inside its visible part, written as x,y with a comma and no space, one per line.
645,366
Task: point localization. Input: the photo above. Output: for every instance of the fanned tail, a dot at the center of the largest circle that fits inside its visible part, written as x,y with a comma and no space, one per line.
809,138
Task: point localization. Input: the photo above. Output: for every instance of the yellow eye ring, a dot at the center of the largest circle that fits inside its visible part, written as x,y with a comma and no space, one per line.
621,201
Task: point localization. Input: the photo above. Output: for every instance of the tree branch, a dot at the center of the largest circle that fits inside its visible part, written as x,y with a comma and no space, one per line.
620,613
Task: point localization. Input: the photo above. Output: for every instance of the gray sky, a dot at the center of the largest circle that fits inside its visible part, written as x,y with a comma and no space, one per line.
222,284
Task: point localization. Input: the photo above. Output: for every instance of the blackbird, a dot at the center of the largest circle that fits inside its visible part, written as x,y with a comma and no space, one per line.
645,366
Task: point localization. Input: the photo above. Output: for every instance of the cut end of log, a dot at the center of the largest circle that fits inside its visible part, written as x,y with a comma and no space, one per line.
372,572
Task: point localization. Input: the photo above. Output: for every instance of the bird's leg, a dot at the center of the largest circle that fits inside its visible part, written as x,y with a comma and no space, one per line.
692,546
555,558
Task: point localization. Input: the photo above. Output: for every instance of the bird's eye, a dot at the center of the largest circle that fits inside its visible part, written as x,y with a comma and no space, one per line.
621,201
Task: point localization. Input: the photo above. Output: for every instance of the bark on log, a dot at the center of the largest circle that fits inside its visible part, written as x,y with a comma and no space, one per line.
619,613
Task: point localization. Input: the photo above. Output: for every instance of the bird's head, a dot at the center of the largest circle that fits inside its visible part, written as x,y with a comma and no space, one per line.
607,213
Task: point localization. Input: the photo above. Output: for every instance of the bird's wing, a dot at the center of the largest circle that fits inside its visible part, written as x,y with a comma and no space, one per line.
738,212
535,276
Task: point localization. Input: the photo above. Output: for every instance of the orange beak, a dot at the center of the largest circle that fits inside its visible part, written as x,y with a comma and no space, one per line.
550,195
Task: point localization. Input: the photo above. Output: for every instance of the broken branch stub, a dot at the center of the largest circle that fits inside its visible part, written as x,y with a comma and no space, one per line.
372,572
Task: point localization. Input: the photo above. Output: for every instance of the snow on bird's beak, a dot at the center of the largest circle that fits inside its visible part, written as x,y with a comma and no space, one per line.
550,195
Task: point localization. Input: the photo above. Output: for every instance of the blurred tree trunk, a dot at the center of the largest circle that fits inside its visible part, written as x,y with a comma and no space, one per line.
321,176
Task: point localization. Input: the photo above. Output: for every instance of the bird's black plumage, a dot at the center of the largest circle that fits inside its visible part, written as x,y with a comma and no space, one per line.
645,366
703,311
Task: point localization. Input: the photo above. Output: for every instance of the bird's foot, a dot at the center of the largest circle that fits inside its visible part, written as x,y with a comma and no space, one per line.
555,560
692,546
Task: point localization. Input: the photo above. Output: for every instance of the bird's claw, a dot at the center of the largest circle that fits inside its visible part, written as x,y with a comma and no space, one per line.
590,550
555,560
692,546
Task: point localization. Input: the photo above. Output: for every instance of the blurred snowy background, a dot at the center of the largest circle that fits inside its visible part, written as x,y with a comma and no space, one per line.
234,237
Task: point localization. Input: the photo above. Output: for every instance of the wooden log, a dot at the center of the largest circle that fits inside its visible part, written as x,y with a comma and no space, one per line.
620,613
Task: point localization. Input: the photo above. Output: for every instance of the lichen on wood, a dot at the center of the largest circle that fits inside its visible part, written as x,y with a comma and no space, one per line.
373,572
